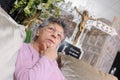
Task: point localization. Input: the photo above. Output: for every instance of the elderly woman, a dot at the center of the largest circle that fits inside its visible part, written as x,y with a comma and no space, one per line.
37,60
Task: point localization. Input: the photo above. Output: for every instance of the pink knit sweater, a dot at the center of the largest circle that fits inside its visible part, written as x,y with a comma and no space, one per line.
30,66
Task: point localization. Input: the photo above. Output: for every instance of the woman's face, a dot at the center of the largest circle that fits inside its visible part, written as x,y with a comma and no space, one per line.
50,35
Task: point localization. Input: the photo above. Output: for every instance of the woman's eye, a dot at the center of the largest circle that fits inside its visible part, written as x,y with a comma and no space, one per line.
59,36
51,29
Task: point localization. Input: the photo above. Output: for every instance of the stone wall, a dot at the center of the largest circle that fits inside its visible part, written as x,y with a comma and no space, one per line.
92,46
100,48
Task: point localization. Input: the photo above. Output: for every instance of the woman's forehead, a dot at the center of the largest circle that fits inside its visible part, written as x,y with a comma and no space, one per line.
57,26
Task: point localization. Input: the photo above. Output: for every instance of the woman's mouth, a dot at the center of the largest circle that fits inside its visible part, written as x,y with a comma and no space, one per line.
50,42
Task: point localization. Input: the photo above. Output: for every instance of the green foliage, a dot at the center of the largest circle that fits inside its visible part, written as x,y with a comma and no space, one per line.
28,8
27,12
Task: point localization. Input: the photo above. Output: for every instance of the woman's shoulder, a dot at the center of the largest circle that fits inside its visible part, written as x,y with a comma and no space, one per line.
25,47
27,50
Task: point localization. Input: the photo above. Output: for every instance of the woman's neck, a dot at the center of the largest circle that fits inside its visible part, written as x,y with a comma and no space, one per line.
36,47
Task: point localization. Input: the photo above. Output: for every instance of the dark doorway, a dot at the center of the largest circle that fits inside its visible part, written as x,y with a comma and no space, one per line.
7,4
115,69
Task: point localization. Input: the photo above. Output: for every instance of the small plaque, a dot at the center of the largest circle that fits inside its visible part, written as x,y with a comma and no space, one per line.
69,49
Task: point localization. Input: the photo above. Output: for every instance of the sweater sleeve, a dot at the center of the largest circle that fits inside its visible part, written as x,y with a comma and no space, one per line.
26,70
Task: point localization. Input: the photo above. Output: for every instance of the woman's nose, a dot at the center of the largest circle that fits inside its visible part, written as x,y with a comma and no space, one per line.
54,35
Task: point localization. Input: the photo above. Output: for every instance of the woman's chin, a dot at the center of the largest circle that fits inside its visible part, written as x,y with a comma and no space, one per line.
49,45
